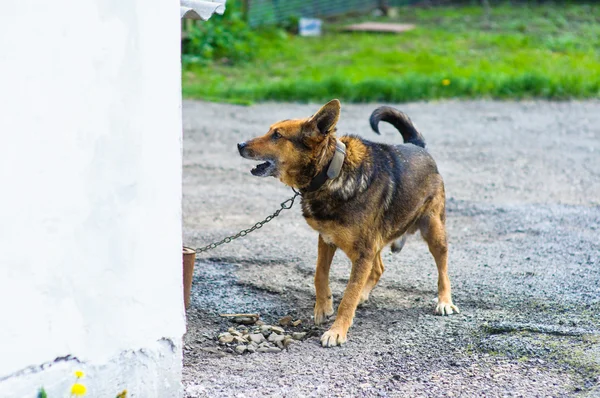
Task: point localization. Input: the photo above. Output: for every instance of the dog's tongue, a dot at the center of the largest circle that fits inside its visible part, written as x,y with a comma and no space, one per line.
260,169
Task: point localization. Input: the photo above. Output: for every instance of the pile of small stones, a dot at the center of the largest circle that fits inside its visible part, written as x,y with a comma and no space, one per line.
260,337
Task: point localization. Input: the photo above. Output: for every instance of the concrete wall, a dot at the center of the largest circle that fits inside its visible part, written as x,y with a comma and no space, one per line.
90,197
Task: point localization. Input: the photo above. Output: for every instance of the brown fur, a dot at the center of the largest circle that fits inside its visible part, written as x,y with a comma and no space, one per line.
382,193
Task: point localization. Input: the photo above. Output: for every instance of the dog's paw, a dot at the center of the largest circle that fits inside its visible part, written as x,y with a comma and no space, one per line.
323,311
446,308
334,336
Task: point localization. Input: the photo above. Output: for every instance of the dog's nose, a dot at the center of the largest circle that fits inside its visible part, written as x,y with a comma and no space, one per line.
241,146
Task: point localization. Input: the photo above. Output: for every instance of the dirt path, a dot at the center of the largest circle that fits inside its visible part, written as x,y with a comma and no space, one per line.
523,200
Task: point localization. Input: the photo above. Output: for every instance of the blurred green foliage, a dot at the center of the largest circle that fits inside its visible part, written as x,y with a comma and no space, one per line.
522,51
223,38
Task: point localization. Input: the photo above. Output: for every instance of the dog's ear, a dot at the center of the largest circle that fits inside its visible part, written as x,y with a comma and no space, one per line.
326,118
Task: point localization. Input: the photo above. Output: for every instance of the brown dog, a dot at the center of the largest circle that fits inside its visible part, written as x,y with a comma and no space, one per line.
360,196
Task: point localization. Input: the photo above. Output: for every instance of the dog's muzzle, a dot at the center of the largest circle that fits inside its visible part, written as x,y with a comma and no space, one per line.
266,169
241,147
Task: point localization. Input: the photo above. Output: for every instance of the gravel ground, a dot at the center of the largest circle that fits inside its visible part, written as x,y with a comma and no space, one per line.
523,201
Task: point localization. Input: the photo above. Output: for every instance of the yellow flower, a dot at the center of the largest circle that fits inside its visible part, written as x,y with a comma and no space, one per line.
123,394
446,82
78,390
79,374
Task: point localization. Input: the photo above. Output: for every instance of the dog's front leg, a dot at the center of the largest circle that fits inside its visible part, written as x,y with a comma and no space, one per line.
324,303
361,269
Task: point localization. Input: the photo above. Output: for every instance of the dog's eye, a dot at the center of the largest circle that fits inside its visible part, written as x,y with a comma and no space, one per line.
276,135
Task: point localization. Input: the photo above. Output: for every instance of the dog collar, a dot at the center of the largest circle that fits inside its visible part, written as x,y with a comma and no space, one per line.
332,170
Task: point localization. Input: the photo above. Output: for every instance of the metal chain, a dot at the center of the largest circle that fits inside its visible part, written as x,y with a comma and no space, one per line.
284,206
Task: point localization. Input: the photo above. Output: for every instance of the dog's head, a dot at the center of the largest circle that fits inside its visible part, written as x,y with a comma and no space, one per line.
291,149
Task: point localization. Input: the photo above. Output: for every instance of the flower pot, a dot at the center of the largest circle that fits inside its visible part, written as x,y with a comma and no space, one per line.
189,258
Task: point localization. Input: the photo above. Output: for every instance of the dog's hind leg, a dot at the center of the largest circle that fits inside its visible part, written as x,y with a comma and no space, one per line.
324,303
376,273
433,231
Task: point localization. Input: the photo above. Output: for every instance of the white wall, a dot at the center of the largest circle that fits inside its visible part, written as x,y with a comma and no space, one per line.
90,191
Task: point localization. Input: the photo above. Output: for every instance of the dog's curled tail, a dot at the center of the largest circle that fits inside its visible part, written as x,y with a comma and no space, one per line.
399,120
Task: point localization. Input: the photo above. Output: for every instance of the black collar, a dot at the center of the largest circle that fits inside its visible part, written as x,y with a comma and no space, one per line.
333,169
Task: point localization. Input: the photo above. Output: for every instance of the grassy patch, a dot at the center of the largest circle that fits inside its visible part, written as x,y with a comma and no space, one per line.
575,355
548,51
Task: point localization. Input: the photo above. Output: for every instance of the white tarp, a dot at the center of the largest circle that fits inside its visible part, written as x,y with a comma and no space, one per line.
197,9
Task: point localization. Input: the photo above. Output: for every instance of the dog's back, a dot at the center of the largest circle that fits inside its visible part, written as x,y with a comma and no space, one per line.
390,186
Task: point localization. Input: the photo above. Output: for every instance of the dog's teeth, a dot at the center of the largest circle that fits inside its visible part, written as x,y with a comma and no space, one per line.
263,169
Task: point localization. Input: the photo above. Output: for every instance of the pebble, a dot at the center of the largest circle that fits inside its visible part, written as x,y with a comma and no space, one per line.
239,339
234,332
298,335
265,328
287,342
297,322
225,338
277,329
279,344
244,320
240,349
274,337
269,349
251,349
257,338
286,320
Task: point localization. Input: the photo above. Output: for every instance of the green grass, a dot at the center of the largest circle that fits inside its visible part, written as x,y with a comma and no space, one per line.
549,51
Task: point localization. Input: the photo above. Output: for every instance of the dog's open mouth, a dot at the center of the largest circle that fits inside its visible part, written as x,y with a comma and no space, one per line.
265,169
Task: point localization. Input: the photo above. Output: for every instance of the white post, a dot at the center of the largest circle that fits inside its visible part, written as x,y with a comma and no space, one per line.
90,197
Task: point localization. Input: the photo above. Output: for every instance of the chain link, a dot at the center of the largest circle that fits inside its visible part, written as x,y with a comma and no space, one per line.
286,205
